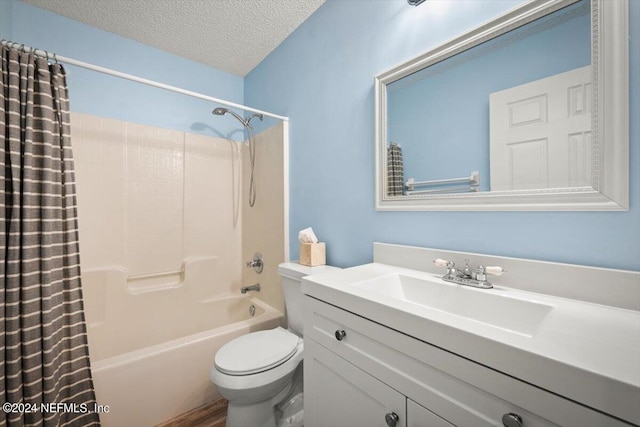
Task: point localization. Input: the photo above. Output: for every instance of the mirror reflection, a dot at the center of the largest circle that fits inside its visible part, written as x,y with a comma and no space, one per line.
513,113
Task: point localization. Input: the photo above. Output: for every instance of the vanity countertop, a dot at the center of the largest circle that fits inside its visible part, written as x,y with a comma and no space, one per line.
586,352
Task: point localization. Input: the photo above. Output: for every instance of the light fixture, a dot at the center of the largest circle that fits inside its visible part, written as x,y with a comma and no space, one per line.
415,2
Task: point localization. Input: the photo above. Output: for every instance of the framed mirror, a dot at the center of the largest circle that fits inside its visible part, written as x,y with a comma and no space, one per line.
529,111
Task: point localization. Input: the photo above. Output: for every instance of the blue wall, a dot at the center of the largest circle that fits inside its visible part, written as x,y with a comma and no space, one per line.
322,78
108,96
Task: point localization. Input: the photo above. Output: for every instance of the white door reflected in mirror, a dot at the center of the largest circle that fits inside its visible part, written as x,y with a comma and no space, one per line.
541,133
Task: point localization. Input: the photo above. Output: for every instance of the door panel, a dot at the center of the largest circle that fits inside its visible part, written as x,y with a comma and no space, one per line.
541,133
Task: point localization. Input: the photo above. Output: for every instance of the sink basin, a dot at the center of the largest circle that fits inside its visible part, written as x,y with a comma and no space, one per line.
479,305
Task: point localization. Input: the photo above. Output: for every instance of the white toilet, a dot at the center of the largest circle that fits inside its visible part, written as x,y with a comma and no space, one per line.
260,372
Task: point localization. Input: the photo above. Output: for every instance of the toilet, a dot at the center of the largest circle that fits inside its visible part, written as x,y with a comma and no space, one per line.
260,373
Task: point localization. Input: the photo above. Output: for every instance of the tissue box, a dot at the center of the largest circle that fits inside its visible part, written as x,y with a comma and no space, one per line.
312,254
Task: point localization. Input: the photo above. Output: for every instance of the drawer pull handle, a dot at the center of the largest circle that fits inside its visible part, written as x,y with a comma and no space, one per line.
340,334
511,420
392,419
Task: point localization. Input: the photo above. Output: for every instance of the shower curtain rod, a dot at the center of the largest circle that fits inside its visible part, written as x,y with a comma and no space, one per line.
137,79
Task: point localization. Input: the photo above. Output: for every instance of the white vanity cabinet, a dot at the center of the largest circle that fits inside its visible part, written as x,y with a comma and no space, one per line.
359,373
343,395
418,416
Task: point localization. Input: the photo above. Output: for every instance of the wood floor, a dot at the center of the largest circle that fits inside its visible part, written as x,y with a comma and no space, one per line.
211,415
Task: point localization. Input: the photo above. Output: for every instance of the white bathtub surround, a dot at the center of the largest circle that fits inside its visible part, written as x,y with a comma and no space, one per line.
162,238
121,319
151,198
479,353
264,227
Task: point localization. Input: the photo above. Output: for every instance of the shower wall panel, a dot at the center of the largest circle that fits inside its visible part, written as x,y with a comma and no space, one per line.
151,199
263,225
154,199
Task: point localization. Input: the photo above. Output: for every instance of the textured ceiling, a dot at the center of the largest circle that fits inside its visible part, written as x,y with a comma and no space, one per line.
230,35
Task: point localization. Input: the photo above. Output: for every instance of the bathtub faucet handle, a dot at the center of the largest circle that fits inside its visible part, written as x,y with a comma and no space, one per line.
256,263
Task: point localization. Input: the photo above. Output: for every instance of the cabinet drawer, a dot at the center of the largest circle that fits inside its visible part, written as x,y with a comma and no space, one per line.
461,391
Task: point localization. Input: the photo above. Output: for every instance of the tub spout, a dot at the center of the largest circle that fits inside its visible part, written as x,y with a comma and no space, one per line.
246,289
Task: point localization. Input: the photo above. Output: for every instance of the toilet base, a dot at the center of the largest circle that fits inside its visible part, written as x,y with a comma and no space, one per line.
259,414
264,413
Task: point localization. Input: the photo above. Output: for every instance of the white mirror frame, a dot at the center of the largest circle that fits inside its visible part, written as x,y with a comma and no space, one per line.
610,118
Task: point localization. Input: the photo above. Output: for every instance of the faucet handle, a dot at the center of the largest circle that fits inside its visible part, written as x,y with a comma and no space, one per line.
443,262
495,270
450,265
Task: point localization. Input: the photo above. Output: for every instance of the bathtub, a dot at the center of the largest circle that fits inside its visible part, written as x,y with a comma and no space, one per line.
151,352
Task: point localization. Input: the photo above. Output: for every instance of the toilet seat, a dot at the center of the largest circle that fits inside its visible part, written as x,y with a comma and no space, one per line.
256,352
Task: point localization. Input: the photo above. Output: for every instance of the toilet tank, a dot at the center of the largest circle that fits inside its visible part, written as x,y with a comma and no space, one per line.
291,274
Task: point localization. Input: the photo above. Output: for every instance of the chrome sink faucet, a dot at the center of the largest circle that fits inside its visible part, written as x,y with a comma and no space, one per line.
476,278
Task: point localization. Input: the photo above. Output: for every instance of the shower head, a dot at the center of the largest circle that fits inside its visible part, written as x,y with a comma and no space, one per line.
220,111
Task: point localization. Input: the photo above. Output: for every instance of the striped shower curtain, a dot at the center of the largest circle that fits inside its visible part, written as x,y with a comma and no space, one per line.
44,366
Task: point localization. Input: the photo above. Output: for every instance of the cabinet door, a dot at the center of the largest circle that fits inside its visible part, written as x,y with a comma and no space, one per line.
337,393
418,416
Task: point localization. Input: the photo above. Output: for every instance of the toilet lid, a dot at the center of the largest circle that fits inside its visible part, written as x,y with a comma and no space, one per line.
256,352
